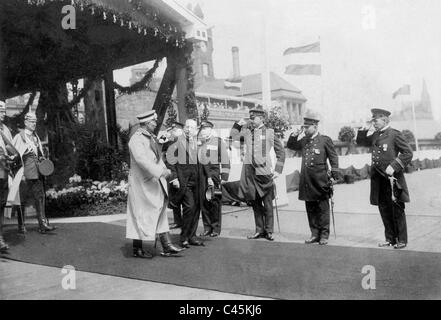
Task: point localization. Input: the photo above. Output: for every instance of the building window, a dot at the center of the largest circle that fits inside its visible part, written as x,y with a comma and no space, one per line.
205,69
198,33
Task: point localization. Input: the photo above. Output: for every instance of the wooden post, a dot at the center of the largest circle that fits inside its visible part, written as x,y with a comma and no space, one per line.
112,129
181,92
164,94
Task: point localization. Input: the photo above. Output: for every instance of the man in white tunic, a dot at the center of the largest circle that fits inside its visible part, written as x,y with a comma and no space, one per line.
147,198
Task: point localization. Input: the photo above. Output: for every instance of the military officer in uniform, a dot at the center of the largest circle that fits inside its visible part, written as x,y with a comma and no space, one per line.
256,182
390,155
314,187
183,161
32,190
7,154
215,170
147,197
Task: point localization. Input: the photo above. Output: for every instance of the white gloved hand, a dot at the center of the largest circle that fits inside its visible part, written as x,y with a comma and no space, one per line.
210,182
390,171
175,183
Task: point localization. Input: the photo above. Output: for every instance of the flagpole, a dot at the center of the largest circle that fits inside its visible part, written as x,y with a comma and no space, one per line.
322,93
417,147
266,85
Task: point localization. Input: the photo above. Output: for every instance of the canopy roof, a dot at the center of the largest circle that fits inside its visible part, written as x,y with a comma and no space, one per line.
110,34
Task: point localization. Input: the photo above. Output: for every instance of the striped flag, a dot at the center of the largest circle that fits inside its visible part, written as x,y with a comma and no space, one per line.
404,90
303,60
235,84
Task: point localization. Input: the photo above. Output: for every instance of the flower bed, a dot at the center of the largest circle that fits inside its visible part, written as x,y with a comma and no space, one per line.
87,198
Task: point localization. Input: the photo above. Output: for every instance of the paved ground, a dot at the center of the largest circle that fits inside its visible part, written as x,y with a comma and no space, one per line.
358,224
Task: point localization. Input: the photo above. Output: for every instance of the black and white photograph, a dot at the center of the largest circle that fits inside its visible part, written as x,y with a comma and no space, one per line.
220,155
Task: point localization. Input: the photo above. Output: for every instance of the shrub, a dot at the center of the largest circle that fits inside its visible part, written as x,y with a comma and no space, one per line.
86,197
438,136
346,134
408,135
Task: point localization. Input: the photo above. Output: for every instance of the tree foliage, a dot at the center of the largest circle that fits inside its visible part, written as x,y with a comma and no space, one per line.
276,120
346,134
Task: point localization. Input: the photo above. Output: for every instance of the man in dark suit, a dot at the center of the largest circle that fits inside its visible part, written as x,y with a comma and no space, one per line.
215,170
314,187
182,157
390,155
257,178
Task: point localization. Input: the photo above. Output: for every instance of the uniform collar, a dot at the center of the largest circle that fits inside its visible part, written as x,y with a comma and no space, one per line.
28,132
315,135
385,128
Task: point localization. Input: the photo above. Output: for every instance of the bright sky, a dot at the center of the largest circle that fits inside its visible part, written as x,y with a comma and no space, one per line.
361,67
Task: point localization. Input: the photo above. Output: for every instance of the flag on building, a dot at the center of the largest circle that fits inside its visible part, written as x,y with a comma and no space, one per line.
303,60
235,84
404,90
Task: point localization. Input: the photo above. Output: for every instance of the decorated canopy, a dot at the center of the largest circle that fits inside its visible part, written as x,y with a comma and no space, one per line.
37,49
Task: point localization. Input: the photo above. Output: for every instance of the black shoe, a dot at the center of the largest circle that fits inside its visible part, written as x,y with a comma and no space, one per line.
185,244
386,244
400,245
257,235
3,245
269,236
323,242
312,240
175,226
22,230
214,234
46,228
195,242
139,253
205,234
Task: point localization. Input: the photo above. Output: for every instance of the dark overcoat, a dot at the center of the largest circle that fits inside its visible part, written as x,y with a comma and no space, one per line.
182,160
388,147
314,179
256,176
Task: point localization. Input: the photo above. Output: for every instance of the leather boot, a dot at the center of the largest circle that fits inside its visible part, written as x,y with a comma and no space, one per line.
43,223
167,246
21,215
3,245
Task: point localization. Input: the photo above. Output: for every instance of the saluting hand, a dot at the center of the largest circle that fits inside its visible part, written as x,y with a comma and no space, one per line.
242,122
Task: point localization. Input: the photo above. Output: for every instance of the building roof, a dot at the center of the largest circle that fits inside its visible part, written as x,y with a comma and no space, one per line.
252,87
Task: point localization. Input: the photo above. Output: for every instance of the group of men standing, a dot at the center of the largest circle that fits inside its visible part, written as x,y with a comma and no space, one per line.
19,160
185,169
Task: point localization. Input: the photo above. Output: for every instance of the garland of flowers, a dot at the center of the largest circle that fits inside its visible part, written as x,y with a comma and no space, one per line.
190,97
141,84
162,29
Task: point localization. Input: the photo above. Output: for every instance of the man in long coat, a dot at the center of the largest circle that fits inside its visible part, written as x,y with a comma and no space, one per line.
147,198
314,186
215,170
7,154
256,182
32,189
390,155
